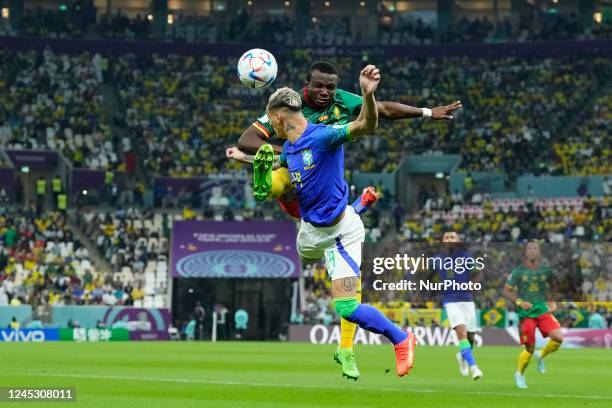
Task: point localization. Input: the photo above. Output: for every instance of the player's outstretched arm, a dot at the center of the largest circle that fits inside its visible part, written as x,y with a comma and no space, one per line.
237,154
511,294
252,139
367,121
396,110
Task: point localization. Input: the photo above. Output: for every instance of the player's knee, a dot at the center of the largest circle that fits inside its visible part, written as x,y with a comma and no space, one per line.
530,348
461,332
346,306
558,337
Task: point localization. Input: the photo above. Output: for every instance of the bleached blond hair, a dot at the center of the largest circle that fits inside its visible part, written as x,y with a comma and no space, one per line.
285,98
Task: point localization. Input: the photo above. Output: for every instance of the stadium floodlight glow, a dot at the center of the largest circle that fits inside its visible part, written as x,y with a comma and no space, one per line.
150,17
170,19
362,4
6,13
249,3
84,192
327,4
314,19
597,17
439,175
287,3
25,169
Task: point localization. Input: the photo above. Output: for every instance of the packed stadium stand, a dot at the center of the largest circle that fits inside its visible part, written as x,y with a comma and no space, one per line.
137,118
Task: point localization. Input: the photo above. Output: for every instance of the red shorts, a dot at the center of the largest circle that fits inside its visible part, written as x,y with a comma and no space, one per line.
292,207
546,323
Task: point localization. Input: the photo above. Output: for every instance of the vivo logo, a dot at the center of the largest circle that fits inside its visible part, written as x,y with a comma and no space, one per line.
21,335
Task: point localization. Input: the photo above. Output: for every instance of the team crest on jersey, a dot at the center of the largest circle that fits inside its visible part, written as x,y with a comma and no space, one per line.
307,157
337,112
323,118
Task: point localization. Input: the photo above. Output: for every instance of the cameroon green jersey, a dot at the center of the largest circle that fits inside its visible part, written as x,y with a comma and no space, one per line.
532,285
339,112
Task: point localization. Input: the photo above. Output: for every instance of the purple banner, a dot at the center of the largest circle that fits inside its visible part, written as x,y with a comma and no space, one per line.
170,186
251,249
36,159
7,182
149,335
232,188
572,338
83,179
92,180
588,337
444,336
134,319
138,319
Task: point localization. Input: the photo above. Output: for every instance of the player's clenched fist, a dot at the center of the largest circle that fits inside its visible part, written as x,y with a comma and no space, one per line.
369,79
235,153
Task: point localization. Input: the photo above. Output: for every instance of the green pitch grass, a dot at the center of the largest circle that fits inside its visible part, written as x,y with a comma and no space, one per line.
274,375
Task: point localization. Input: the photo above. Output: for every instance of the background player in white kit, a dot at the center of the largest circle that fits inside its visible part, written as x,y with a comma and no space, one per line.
460,308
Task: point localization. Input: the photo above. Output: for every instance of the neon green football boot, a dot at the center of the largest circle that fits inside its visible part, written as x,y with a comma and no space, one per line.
346,358
262,172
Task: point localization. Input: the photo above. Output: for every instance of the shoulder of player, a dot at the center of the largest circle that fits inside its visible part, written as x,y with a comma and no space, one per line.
517,270
545,269
342,94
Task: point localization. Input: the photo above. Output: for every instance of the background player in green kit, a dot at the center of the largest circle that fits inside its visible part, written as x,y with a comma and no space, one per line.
529,287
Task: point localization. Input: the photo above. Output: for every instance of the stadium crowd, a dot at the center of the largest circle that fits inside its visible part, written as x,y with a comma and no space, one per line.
546,27
547,116
321,30
486,220
167,111
556,222
53,101
43,263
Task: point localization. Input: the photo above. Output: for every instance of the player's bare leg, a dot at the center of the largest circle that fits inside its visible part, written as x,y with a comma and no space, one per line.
465,356
344,291
523,362
344,354
556,338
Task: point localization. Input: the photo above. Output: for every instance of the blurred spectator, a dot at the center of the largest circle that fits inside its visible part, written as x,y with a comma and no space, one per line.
597,321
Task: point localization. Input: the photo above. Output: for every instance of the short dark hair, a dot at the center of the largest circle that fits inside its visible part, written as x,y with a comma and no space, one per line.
321,66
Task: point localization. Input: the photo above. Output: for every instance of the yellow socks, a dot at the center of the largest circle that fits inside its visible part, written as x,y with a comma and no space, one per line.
347,329
523,361
281,183
551,347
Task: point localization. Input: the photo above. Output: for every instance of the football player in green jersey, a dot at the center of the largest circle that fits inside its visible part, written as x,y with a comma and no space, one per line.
323,102
529,287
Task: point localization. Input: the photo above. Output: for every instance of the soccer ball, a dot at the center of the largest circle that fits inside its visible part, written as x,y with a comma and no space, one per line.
257,68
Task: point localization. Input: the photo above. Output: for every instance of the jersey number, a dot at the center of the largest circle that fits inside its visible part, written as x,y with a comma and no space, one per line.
296,178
